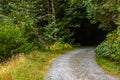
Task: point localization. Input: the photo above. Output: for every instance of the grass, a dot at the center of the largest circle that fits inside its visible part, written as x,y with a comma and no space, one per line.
109,67
32,66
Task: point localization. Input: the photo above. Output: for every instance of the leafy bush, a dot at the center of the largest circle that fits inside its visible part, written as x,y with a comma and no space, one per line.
12,41
110,48
66,46
58,46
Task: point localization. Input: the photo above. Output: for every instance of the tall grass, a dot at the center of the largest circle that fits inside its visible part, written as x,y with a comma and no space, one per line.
31,66
7,68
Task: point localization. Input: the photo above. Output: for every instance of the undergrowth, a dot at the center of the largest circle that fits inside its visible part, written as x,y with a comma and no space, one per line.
108,53
110,67
31,66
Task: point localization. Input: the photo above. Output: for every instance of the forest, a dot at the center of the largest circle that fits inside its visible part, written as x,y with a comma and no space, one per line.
32,26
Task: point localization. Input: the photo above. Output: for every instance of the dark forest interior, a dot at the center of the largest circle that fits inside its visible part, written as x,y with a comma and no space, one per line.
88,34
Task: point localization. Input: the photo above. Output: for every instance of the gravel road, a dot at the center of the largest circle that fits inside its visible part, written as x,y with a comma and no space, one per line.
77,65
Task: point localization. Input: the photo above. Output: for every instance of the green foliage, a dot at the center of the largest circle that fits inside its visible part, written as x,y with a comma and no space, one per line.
58,46
58,33
75,13
110,48
106,12
12,41
42,22
22,14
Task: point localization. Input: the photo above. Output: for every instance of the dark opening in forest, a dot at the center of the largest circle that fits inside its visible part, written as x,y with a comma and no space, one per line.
88,34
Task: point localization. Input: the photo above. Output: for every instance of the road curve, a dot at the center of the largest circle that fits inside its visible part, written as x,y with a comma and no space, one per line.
77,65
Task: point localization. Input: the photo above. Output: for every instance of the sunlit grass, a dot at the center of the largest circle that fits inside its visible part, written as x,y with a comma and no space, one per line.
7,68
109,67
32,66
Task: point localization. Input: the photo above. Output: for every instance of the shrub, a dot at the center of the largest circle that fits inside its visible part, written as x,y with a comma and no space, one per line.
58,46
67,46
110,48
12,41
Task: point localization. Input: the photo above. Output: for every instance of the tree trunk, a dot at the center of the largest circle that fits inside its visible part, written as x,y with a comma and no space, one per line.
54,17
53,11
48,6
48,10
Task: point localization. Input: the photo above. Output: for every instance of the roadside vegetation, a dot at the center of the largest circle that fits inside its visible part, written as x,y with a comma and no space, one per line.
108,52
31,26
110,67
32,66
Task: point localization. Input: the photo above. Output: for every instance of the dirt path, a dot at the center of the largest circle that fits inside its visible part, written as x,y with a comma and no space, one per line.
77,65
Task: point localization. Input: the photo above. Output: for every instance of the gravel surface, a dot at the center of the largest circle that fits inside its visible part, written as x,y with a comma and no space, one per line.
77,65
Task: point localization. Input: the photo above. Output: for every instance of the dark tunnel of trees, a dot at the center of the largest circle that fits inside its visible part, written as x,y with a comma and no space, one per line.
88,34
